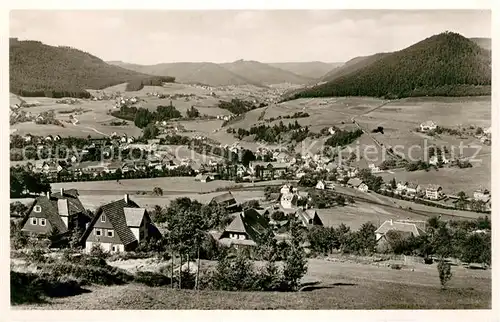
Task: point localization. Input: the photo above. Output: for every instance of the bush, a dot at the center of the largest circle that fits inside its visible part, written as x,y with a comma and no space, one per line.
30,287
396,266
152,279
445,274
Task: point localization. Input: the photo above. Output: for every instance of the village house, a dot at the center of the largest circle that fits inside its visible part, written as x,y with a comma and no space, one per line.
320,185
355,183
427,126
374,169
309,217
119,226
55,213
288,200
245,229
412,188
482,195
390,230
269,170
363,187
433,192
202,177
227,201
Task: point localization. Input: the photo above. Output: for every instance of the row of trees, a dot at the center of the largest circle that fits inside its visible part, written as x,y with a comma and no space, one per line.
457,239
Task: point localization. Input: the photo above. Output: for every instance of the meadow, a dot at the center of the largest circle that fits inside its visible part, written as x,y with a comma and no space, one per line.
342,285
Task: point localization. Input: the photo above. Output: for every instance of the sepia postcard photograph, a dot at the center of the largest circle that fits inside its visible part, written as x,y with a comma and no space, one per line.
250,159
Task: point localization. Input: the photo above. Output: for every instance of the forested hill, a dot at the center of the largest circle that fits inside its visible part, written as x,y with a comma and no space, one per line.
447,64
37,69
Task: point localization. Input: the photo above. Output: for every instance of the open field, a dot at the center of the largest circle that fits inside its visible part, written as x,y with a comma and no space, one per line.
93,201
343,285
445,111
453,180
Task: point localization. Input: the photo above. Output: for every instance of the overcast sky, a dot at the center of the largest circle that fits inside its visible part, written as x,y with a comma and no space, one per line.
149,37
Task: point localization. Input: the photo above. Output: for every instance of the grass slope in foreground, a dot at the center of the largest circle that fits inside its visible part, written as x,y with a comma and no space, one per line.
40,70
447,64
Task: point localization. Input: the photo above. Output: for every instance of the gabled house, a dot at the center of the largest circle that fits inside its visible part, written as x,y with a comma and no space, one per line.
320,185
226,200
412,188
119,226
354,182
391,230
56,213
309,217
245,230
363,187
289,200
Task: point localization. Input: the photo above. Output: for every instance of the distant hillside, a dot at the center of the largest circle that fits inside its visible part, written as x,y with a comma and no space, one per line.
447,64
263,73
351,66
482,42
37,69
313,69
204,73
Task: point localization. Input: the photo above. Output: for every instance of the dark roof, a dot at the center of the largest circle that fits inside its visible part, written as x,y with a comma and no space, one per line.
49,211
249,222
225,197
71,195
114,211
355,182
309,215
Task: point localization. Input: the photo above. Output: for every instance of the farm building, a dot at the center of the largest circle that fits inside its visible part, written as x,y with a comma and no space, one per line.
119,226
309,217
358,184
227,200
428,126
247,227
391,231
59,213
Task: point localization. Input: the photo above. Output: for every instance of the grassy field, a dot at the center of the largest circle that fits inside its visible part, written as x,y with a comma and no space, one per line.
343,285
445,111
453,180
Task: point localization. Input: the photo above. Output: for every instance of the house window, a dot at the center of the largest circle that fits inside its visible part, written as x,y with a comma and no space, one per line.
114,248
111,233
98,232
42,221
37,208
34,221
103,218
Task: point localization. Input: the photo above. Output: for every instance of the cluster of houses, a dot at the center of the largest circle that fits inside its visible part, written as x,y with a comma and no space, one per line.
125,101
121,225
116,227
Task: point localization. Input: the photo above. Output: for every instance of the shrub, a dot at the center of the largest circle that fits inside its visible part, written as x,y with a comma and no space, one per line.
445,274
152,279
30,287
396,266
